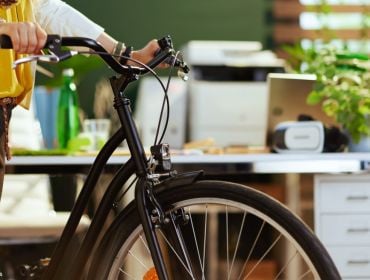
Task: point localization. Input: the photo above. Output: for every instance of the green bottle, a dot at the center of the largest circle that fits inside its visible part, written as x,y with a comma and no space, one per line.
68,125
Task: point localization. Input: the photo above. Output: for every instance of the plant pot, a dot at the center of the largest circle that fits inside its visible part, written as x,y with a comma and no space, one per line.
363,146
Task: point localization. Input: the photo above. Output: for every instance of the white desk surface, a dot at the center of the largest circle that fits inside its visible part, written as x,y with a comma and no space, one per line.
253,163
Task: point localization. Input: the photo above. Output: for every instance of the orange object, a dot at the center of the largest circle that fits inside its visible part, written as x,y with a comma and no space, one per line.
151,275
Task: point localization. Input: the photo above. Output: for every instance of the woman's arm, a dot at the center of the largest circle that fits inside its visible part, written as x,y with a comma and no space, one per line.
57,17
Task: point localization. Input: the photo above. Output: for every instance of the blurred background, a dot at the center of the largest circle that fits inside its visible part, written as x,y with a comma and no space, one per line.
274,23
136,22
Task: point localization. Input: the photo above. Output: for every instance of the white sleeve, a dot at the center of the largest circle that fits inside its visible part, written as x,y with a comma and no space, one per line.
57,17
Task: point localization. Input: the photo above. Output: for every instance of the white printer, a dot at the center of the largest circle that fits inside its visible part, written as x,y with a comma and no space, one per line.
228,98
148,107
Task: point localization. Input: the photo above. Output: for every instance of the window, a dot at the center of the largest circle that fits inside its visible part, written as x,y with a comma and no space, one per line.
341,22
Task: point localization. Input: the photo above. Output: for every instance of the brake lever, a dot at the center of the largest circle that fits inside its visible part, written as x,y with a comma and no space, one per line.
53,45
166,44
183,68
51,58
171,59
44,58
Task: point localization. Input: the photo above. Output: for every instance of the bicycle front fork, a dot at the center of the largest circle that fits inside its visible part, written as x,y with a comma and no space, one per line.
151,218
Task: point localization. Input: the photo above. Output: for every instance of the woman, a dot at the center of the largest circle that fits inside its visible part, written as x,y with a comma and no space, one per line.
28,22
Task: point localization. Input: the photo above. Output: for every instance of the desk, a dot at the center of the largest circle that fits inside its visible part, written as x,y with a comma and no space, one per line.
212,164
219,165
290,164
225,165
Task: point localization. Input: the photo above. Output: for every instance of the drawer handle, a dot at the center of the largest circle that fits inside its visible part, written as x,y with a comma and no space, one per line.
357,197
358,230
358,262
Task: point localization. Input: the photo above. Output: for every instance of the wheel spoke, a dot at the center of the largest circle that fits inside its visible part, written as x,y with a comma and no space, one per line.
144,243
237,243
263,256
196,243
205,240
252,249
125,273
227,241
138,260
176,254
304,274
286,265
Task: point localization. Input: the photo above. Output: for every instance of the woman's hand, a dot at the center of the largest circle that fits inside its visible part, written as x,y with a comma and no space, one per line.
27,37
143,55
146,54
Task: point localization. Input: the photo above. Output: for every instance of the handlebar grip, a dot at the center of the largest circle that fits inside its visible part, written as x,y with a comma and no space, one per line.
5,42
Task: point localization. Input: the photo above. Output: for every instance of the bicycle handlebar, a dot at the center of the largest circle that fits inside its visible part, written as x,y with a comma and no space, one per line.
54,44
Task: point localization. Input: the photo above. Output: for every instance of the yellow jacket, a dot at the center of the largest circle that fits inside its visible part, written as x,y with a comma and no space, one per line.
56,17
16,82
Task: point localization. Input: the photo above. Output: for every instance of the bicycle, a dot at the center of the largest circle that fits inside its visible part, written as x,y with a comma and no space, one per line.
169,217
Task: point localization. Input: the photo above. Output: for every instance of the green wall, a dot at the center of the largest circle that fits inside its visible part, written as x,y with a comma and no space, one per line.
184,20
136,22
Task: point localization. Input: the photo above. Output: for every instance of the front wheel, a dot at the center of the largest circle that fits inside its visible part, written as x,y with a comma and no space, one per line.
228,231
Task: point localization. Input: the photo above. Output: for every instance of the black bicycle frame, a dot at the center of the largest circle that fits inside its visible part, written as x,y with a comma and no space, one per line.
137,164
122,105
83,199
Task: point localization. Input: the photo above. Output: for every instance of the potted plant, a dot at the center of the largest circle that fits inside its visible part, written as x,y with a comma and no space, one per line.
342,87
343,78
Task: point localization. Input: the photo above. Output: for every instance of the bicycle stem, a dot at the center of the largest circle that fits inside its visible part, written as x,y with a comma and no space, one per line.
122,106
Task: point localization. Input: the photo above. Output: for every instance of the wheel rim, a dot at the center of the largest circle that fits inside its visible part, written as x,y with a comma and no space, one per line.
129,263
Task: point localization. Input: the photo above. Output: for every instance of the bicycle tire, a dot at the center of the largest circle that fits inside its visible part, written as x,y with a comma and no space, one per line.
126,231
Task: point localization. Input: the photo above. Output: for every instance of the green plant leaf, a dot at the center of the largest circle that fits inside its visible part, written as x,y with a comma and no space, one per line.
342,86
314,98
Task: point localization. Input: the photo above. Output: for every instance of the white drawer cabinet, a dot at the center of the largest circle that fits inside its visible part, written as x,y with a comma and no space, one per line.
342,221
337,194
345,229
352,262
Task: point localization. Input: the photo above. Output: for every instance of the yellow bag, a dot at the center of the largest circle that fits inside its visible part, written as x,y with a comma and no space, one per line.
17,82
